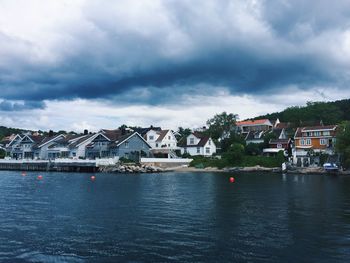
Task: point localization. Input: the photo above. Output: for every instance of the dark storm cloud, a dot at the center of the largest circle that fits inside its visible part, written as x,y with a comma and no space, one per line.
249,47
21,106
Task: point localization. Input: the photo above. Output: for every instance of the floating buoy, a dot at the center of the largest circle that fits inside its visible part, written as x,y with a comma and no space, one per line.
40,177
93,177
24,174
232,179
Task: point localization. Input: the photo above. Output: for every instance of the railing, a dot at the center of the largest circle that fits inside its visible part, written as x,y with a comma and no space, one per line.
165,160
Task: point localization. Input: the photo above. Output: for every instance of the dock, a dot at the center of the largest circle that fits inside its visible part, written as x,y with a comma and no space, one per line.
57,165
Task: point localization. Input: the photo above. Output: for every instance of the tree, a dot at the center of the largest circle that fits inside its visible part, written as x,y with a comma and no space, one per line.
253,149
234,156
233,138
343,143
221,125
184,132
2,153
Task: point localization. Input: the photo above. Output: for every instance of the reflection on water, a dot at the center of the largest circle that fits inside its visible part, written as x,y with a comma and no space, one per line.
174,218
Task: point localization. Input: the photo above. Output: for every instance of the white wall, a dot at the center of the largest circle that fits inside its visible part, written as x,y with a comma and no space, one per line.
166,141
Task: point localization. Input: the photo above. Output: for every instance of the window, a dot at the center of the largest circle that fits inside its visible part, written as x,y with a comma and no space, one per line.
151,137
209,142
305,142
185,150
198,150
191,140
323,142
317,133
169,137
207,149
157,144
126,144
326,133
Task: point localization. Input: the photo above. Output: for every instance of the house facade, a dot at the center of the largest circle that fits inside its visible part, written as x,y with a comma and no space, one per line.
117,143
24,146
198,144
314,139
161,139
245,127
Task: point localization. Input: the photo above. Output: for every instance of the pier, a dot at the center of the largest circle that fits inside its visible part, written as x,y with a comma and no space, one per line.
57,165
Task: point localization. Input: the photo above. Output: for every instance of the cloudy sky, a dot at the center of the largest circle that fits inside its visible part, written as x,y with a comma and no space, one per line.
75,64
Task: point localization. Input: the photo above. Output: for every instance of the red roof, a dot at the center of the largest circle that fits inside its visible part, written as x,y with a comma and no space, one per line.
252,122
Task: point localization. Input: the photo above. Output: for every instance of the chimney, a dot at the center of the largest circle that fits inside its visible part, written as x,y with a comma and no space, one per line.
86,132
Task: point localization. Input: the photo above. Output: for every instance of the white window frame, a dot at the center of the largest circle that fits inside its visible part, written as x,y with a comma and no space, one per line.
198,149
191,140
207,150
323,141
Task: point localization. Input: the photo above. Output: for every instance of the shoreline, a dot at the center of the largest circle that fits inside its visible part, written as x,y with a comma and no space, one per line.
306,170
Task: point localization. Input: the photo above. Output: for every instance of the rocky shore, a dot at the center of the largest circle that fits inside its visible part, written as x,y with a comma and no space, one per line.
294,170
131,168
142,168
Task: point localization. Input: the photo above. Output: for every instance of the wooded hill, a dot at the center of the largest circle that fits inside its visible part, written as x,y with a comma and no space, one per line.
4,131
314,112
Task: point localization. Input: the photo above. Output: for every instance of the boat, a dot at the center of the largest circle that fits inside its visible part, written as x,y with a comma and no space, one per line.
330,167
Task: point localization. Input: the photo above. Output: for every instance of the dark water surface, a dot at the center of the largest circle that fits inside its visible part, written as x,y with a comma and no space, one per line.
185,217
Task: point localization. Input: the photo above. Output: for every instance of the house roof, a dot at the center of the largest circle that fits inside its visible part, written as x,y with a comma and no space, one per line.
277,132
201,143
279,141
117,136
79,140
143,131
254,135
162,134
127,136
283,125
300,130
254,122
319,127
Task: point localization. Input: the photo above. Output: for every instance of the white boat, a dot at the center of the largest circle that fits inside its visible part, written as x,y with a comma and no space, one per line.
330,167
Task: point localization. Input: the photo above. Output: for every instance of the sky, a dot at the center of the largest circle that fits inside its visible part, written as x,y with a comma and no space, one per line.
92,64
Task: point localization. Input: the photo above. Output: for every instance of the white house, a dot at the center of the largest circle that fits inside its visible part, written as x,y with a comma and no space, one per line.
162,142
163,139
77,145
198,144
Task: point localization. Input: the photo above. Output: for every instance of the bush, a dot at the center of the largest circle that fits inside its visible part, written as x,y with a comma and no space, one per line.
125,160
186,155
2,153
253,149
234,155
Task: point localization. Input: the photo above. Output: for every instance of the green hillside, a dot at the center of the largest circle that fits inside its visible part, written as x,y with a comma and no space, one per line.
314,112
4,131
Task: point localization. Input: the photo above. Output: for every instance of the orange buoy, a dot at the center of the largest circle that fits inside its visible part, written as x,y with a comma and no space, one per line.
40,177
93,177
232,179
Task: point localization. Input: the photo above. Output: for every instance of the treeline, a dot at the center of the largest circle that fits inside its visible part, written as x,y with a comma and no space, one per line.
328,113
4,131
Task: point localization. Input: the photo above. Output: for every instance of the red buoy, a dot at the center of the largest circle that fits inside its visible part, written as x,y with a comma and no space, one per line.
40,177
93,177
232,179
